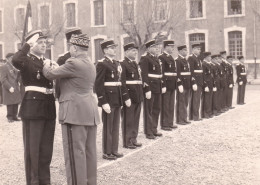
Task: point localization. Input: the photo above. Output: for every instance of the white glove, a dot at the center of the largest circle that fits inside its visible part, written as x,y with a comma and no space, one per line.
148,95
106,108
206,89
47,62
164,90
231,85
214,89
11,90
180,89
32,40
128,103
194,87
241,83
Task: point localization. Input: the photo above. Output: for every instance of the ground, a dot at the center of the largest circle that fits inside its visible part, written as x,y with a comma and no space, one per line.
221,150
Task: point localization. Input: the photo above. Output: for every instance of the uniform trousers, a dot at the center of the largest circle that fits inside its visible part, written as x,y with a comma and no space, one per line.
130,123
216,102
12,111
168,103
38,136
206,110
195,103
241,94
111,123
79,145
224,97
183,100
229,97
152,108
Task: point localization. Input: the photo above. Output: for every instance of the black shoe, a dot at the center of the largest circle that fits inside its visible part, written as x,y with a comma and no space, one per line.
17,119
216,114
10,121
188,122
174,126
231,107
182,123
150,136
198,119
158,134
109,157
118,155
137,144
131,146
166,128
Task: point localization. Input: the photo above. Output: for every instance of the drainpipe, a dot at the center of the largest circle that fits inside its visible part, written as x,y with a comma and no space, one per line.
255,76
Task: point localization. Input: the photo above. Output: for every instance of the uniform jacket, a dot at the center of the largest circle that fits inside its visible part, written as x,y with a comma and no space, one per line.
216,75
35,105
78,104
151,65
207,75
109,71
132,72
9,77
230,77
183,66
169,66
240,68
225,72
196,64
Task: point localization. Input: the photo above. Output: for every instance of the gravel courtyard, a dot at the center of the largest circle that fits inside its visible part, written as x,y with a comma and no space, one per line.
221,150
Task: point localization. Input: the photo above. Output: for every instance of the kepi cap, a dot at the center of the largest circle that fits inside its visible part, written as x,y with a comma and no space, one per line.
72,31
107,43
195,46
181,47
150,43
240,57
206,54
214,56
81,40
222,52
228,57
130,45
168,43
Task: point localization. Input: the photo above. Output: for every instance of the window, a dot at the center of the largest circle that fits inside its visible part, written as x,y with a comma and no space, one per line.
1,51
128,11
1,21
196,10
160,10
70,14
235,43
99,12
44,16
197,38
19,18
234,7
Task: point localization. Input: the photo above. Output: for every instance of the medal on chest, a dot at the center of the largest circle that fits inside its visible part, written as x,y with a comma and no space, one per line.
133,75
170,66
38,76
139,71
153,67
112,74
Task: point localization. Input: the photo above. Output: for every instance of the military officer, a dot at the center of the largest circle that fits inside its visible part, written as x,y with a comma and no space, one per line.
184,86
207,86
110,96
37,110
62,58
151,68
223,56
132,85
170,78
230,82
241,80
216,86
197,75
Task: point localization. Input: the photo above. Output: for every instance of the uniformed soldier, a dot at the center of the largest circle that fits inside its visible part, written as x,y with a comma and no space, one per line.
110,96
223,55
241,80
216,86
132,85
37,110
151,68
62,58
207,86
184,86
197,83
230,81
170,78
78,111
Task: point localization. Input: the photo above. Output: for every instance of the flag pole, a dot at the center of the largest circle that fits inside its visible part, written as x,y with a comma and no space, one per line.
27,21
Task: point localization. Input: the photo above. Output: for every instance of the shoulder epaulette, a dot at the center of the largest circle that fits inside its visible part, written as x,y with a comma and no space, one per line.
120,61
101,60
176,58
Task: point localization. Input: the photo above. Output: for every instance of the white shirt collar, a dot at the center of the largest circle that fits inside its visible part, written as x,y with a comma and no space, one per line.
181,56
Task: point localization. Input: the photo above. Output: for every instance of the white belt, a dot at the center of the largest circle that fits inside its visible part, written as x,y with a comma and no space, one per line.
134,82
198,71
112,83
39,89
154,76
170,74
242,73
185,73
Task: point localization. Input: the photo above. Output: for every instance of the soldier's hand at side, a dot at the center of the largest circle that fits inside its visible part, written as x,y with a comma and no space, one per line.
206,89
11,90
241,83
106,108
128,103
180,89
194,87
214,89
33,39
231,85
148,95
164,90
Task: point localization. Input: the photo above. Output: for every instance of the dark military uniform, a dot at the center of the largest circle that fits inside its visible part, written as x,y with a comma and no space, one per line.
108,89
38,114
168,98
230,81
241,77
216,83
184,79
197,75
225,85
152,79
132,84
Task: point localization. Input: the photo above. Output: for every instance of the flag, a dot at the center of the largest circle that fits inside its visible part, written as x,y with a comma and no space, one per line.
28,21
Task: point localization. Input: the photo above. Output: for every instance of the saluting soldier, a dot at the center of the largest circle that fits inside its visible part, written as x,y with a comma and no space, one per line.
207,86
132,85
170,78
230,81
197,83
110,96
184,86
241,80
151,68
37,110
223,55
216,86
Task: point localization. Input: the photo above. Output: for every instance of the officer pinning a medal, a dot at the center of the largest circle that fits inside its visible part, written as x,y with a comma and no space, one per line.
170,78
241,80
37,110
132,85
